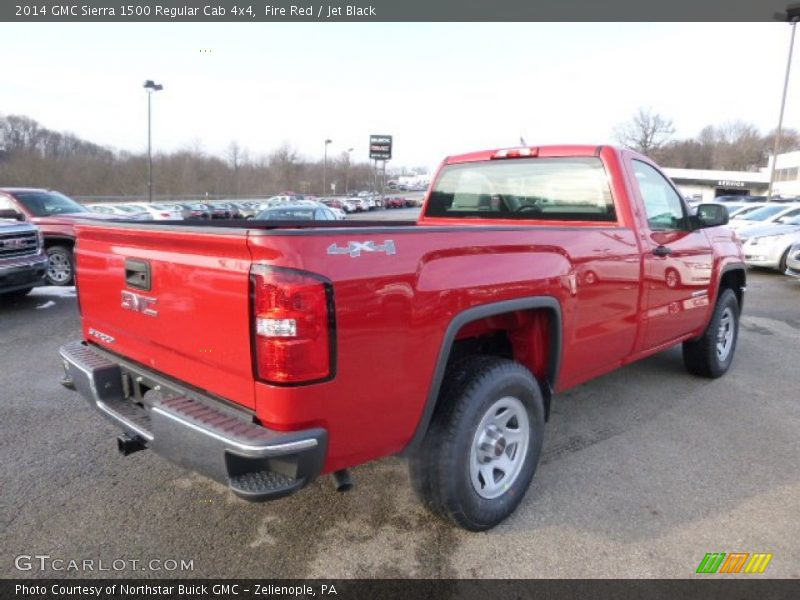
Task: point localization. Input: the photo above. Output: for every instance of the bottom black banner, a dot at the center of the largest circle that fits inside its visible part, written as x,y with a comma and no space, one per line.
408,589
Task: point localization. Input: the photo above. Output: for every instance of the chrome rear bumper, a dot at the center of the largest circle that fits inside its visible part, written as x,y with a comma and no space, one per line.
255,462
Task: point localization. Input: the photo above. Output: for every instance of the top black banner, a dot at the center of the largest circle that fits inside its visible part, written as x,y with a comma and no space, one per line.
391,10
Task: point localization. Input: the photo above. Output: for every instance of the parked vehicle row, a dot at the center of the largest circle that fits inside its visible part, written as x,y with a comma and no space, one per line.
769,231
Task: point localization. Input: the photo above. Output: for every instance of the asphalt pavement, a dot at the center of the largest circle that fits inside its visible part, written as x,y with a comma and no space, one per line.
643,472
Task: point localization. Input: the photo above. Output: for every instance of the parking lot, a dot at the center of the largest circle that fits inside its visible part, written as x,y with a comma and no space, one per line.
643,472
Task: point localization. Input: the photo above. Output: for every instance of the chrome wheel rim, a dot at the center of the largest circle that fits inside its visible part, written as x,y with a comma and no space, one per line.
725,334
58,269
499,447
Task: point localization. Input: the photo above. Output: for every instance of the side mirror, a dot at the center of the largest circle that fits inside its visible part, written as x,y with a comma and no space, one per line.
10,213
712,215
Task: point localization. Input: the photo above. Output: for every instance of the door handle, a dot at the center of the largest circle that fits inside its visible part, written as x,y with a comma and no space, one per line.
137,274
662,251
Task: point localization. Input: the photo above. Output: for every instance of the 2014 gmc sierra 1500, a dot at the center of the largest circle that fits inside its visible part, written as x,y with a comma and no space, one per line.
264,354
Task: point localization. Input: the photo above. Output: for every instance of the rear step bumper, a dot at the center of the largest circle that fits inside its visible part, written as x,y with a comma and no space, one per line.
255,462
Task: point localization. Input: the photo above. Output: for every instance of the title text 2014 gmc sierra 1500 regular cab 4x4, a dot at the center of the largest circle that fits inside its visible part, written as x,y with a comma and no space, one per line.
263,354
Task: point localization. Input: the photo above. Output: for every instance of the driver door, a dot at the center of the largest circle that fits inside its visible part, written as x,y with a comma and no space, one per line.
678,262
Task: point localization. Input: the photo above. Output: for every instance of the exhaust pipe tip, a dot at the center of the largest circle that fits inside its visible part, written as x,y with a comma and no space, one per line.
128,444
342,481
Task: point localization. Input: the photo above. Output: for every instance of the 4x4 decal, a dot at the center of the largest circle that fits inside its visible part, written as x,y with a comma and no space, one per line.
354,249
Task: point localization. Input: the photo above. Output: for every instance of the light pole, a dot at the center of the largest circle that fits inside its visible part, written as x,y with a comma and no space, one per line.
151,87
325,167
792,15
347,174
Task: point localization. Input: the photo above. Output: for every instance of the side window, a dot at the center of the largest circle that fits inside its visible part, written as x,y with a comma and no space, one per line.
789,216
663,206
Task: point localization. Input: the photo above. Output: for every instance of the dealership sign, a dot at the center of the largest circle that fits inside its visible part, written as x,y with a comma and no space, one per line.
380,147
729,183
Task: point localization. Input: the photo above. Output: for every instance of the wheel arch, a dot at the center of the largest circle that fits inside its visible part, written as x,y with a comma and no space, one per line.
734,277
59,240
551,308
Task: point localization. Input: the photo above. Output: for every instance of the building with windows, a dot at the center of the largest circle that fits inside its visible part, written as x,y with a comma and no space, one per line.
787,174
707,184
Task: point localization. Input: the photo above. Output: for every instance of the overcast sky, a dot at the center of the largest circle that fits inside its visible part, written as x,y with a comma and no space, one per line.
438,88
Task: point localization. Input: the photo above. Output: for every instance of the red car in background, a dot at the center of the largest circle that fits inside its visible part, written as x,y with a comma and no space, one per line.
394,202
55,215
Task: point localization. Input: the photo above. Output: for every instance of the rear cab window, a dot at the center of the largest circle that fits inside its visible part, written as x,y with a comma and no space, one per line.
539,189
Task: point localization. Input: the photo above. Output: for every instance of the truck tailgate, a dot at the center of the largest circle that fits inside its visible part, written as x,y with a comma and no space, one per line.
175,301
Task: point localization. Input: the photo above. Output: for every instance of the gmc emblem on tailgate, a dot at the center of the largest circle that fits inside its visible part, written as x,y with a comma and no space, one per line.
139,303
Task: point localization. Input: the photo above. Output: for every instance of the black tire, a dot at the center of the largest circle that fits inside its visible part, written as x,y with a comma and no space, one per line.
61,270
701,356
441,467
782,263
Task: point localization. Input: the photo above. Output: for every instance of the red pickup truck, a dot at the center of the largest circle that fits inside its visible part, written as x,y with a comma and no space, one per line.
266,353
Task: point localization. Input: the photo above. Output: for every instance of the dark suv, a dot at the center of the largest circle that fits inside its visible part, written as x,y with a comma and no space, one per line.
55,215
22,261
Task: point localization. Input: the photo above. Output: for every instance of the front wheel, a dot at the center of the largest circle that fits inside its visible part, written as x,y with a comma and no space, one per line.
711,354
60,270
782,262
481,451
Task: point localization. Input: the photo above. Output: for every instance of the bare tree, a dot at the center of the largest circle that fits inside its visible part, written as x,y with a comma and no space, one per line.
285,166
738,146
645,133
32,155
790,141
236,157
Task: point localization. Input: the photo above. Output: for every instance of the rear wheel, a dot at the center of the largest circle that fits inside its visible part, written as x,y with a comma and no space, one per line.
480,453
711,354
60,269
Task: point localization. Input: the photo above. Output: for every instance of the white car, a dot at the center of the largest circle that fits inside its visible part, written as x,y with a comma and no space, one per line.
770,213
771,250
782,225
278,200
122,211
160,212
340,214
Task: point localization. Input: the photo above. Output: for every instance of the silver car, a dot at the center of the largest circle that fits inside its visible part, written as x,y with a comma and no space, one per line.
770,213
771,250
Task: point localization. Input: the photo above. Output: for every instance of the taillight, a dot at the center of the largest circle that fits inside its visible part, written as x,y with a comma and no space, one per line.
293,325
